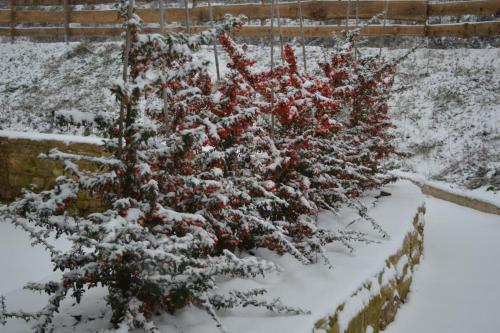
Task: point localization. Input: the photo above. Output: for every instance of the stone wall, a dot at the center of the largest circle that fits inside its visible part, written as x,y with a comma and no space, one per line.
461,200
383,294
21,167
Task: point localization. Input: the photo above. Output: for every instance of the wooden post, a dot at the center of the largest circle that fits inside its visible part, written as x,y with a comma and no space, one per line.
130,12
216,55
426,34
357,13
348,15
339,20
272,67
382,37
276,5
188,19
272,35
262,21
302,39
162,17
166,116
12,23
356,27
66,20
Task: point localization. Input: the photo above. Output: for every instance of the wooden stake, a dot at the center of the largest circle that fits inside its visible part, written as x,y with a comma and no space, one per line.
426,32
216,55
162,17
348,15
66,20
338,20
125,76
276,5
382,39
272,35
166,116
262,21
12,20
356,26
188,19
302,39
272,66
357,13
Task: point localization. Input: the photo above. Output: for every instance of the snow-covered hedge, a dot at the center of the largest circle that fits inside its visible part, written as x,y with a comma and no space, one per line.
201,175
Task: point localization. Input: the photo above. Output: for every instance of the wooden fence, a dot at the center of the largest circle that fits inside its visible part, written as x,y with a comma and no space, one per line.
62,20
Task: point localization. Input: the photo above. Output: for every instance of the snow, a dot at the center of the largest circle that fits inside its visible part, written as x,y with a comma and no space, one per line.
445,106
455,289
75,116
447,115
19,261
315,287
480,194
50,137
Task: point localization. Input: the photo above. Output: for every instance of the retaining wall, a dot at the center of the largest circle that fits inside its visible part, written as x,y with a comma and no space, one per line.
21,167
383,294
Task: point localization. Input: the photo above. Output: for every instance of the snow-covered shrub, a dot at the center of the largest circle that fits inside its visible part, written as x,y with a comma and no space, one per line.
200,174
364,84
223,164
331,126
150,257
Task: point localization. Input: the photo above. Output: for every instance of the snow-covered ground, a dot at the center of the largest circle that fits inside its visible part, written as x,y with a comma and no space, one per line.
448,116
455,289
446,108
314,287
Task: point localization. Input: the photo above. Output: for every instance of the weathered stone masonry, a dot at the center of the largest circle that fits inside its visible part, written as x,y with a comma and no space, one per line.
21,167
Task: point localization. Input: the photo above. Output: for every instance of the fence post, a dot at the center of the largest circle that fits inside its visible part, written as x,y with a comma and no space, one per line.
126,54
382,36
357,13
272,65
302,39
66,20
356,27
166,116
162,17
348,15
12,23
278,16
188,19
216,56
426,35
262,21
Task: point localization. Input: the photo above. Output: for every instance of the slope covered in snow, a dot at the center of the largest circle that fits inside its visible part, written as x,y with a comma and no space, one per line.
446,107
448,115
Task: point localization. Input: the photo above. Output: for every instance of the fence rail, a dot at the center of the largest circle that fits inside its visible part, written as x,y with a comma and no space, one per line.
417,11
463,30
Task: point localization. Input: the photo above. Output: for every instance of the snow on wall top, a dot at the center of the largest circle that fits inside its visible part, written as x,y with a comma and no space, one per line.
51,137
480,194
